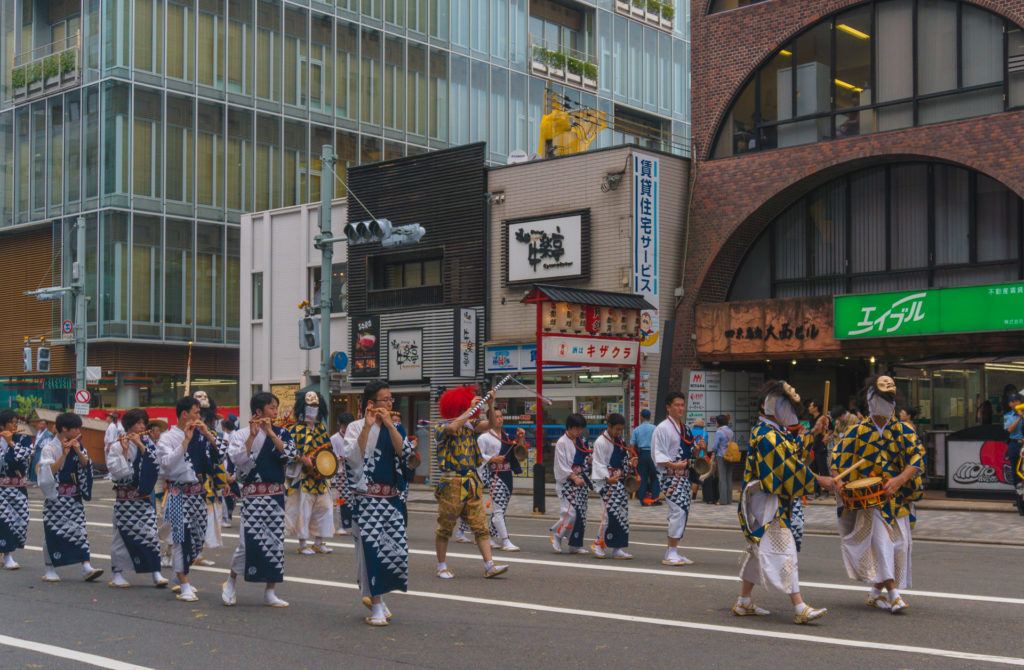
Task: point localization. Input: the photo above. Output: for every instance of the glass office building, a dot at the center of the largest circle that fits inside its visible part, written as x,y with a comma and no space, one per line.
162,121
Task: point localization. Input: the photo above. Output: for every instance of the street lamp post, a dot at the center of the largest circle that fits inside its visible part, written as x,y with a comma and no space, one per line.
78,294
325,243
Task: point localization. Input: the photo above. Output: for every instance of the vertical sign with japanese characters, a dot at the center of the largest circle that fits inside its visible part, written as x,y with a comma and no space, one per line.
465,343
645,246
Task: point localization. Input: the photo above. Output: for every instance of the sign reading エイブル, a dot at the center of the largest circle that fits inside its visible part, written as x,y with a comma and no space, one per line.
965,309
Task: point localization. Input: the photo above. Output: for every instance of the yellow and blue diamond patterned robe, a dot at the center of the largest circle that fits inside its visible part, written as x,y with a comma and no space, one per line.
889,451
308,441
775,461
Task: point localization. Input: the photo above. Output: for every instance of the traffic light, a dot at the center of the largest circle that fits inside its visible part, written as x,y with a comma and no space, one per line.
309,332
43,359
26,358
383,231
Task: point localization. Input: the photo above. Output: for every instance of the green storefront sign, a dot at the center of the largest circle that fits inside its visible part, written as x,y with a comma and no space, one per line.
967,309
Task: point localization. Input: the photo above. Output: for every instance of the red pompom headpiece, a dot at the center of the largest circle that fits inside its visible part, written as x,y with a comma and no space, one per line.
454,402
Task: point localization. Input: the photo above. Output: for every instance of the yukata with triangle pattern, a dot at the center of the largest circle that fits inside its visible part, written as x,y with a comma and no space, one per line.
136,543
65,540
15,457
378,508
259,556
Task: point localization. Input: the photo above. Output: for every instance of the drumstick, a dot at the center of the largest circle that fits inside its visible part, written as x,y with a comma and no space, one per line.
828,387
859,464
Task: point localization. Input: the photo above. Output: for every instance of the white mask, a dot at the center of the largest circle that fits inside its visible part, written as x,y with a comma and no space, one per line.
312,398
880,406
204,400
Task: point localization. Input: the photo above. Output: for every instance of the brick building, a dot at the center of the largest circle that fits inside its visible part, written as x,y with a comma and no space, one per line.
858,150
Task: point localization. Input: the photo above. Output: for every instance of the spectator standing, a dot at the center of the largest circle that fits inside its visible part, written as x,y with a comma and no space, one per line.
641,441
43,435
821,429
723,436
1013,422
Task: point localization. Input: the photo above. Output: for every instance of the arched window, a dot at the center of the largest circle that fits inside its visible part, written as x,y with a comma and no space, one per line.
859,72
895,227
723,5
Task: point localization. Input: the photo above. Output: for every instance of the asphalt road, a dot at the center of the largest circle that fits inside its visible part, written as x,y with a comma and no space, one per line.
548,611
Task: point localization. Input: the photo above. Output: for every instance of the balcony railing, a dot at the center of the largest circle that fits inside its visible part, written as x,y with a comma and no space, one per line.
562,65
47,67
658,13
397,298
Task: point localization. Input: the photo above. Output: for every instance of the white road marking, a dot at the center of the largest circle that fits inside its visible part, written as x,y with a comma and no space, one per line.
60,652
655,621
678,572
654,544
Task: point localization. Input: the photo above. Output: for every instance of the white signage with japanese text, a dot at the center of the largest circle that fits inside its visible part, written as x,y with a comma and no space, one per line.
590,351
405,355
545,249
465,340
645,246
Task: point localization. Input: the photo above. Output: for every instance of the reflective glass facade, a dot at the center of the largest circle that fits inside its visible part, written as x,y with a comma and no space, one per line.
162,121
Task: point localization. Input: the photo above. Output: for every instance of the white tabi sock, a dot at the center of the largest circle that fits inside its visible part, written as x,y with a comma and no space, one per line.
743,601
442,566
87,567
799,609
378,611
875,591
894,594
488,565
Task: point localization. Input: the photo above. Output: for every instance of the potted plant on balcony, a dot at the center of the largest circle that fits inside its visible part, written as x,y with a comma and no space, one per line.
575,74
18,81
34,76
51,70
638,8
653,11
590,75
539,61
68,66
668,14
556,63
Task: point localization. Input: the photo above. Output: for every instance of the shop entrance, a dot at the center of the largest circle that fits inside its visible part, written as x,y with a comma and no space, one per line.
414,409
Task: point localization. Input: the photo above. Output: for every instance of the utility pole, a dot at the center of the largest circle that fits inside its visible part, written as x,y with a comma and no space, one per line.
325,243
78,294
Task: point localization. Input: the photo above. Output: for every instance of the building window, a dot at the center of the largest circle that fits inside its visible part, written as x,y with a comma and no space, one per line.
146,276
866,70
339,288
891,228
404,282
257,296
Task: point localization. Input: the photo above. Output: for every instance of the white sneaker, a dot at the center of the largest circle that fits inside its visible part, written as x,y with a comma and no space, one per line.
10,563
598,551
228,595
159,580
270,599
556,543
119,582
508,546
51,575
622,555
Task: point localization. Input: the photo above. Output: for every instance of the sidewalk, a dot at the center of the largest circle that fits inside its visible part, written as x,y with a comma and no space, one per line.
937,519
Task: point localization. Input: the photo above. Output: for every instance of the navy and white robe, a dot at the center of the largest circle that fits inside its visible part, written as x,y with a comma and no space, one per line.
499,477
15,460
672,443
136,543
576,496
611,459
66,541
184,519
382,549
259,556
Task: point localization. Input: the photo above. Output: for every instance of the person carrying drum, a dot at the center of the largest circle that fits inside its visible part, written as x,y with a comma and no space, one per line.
885,460
774,478
312,513
260,452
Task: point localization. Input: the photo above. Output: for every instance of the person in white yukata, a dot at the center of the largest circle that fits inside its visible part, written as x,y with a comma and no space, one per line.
184,518
672,448
572,483
260,453
65,478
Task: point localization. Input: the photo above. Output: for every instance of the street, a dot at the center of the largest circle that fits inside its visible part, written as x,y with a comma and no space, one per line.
549,610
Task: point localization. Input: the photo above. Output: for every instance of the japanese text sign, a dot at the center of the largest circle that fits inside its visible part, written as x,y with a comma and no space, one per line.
591,351
545,248
645,245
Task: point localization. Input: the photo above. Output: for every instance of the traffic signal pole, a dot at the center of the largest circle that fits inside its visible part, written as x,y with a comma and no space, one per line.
78,293
326,246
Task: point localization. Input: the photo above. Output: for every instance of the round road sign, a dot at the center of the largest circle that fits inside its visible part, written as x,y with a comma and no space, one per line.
82,396
67,327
